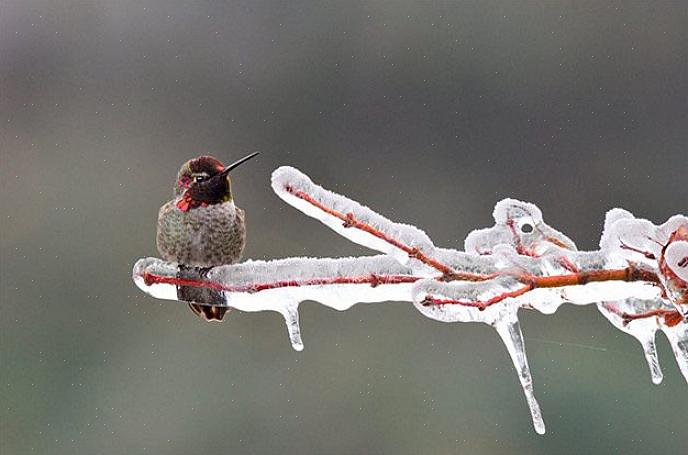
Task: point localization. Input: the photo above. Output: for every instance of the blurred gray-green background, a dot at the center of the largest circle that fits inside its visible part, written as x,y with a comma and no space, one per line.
427,112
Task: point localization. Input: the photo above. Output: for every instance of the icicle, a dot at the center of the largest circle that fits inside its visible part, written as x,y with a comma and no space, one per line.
650,351
509,330
291,318
678,338
642,330
501,315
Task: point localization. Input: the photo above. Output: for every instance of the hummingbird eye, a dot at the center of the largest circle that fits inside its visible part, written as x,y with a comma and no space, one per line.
199,178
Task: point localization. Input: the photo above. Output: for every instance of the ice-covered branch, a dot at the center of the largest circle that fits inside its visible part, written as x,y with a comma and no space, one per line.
359,224
638,278
280,285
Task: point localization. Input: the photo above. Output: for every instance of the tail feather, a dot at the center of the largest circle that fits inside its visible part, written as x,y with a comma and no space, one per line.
209,313
214,308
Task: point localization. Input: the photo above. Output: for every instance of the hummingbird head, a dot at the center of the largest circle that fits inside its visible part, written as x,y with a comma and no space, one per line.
204,181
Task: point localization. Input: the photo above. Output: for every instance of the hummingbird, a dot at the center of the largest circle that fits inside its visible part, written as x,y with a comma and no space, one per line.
201,227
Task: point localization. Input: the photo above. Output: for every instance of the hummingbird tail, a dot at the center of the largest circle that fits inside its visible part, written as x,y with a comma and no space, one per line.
209,313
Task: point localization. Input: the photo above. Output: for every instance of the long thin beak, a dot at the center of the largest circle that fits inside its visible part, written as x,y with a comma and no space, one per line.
236,164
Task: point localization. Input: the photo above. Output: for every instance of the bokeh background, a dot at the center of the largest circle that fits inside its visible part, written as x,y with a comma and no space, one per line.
428,112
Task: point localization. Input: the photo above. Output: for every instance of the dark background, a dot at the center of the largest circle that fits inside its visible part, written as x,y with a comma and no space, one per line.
427,112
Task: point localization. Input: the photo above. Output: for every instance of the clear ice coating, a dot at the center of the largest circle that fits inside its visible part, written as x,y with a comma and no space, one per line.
638,278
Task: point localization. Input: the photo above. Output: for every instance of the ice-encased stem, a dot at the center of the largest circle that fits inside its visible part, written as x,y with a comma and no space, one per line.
509,330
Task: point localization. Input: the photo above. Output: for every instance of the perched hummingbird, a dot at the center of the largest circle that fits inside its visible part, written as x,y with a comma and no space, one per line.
201,227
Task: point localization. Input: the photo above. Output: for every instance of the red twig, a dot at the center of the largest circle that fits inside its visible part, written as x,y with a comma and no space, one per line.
630,273
530,282
647,254
481,305
670,316
568,265
372,279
